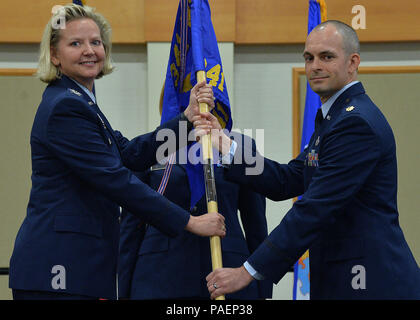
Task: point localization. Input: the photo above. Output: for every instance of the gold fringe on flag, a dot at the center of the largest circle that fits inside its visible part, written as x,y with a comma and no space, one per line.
323,7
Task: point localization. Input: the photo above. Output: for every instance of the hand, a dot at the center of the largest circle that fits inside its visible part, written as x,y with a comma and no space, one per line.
227,280
206,123
200,93
206,225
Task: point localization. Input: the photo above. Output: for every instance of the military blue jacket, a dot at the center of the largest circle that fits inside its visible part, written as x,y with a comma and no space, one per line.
69,238
347,215
161,267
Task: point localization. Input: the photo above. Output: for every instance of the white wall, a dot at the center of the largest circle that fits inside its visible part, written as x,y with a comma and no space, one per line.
122,95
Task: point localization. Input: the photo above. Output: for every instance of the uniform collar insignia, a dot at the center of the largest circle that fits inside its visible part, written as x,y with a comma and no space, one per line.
76,92
351,108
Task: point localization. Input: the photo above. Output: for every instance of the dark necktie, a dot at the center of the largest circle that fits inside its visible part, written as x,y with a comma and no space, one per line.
318,119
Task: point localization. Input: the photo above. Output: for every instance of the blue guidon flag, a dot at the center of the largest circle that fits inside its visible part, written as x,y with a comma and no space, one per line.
194,48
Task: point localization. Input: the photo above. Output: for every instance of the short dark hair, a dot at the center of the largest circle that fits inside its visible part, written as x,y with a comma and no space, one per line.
351,42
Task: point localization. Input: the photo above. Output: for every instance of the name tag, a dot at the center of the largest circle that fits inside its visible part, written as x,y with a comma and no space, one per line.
158,166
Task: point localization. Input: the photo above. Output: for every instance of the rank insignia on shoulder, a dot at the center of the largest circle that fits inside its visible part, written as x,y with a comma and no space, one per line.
76,92
351,108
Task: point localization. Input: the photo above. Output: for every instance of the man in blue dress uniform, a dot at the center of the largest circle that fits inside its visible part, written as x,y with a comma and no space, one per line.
347,215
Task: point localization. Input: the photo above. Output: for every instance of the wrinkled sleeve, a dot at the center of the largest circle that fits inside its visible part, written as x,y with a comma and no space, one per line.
74,136
273,180
340,175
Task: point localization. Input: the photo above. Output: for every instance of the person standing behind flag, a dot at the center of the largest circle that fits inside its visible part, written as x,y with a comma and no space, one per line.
347,176
67,245
153,265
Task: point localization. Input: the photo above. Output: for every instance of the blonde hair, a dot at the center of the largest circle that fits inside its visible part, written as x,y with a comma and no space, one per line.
47,71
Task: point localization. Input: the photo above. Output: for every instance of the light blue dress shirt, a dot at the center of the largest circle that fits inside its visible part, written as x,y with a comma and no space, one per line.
86,90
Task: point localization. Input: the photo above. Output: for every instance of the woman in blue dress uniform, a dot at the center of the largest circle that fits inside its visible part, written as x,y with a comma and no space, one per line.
67,246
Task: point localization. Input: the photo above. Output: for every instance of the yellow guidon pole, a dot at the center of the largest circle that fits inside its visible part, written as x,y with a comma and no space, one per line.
211,196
